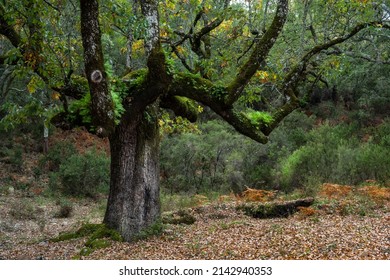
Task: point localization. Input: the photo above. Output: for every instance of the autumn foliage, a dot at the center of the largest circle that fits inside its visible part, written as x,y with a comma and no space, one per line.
334,190
256,195
376,193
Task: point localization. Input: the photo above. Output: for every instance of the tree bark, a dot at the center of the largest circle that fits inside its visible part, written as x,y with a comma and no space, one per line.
133,202
102,107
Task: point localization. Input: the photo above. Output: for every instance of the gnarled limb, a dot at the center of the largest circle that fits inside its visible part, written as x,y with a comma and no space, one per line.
259,53
205,92
181,106
296,74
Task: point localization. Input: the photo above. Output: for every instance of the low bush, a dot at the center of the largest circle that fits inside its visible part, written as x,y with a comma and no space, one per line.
57,154
82,175
336,154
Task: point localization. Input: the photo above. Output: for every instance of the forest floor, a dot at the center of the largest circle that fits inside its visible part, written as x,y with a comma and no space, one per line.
220,232
344,223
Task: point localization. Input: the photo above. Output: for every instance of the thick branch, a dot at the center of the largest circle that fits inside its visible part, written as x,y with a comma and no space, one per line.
158,78
297,73
181,106
259,54
150,11
102,106
205,92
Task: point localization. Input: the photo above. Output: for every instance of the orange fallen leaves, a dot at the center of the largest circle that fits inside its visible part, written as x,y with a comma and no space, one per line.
256,195
307,211
376,193
334,190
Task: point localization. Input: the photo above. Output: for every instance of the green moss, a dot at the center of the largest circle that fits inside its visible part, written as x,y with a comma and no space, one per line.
98,244
153,230
135,78
85,251
259,118
104,232
99,237
65,236
86,229
188,106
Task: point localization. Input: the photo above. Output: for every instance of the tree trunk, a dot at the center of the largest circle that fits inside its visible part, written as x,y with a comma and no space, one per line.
133,202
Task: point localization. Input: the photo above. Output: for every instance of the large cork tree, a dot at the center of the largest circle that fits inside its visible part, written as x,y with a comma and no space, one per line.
133,202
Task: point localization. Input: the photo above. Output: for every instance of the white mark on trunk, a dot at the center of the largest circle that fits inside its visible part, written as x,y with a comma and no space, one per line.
96,76
151,16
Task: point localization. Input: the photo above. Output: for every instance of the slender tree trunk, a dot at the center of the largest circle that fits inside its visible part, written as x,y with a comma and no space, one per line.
133,202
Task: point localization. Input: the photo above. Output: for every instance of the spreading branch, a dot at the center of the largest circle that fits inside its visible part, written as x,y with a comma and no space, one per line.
297,73
259,53
205,92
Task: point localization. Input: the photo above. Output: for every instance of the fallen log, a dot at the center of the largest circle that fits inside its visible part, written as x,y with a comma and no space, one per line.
274,209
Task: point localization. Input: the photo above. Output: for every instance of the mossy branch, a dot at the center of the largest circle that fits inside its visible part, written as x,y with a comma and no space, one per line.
181,106
205,92
259,53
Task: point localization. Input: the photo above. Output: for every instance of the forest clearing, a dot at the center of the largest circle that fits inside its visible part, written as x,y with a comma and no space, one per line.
196,129
343,223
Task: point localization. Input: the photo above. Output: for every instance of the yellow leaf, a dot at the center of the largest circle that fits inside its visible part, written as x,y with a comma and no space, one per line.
55,95
32,86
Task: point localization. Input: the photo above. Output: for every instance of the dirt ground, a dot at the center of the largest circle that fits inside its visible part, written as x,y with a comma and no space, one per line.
220,232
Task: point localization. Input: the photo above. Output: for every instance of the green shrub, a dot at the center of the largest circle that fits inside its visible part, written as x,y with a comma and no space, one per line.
334,154
12,156
57,154
373,162
202,162
82,175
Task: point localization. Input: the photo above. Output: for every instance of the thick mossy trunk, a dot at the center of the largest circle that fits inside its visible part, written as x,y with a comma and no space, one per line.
133,202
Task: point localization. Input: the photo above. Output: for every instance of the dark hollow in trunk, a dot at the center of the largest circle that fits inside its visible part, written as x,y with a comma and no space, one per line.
133,202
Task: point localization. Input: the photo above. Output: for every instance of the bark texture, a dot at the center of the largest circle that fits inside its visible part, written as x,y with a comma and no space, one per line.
103,116
133,202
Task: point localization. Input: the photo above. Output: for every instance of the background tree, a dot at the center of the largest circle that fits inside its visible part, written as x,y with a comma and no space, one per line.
220,54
